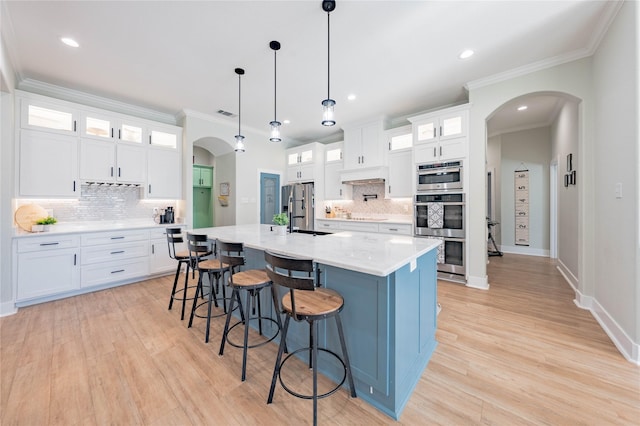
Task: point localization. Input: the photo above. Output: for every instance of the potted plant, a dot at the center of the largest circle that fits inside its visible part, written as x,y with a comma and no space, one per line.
281,220
45,223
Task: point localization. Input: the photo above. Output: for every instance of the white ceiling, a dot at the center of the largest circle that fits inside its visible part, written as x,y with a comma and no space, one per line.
398,57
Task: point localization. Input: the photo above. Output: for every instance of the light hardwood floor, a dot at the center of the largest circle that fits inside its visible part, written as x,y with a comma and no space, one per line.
520,353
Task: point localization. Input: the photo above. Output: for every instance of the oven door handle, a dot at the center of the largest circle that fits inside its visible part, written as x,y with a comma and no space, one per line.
434,202
439,171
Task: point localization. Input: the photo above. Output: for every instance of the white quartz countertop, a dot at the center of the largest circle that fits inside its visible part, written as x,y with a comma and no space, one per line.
371,219
375,254
94,226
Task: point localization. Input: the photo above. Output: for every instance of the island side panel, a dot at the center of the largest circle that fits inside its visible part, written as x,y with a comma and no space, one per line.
415,307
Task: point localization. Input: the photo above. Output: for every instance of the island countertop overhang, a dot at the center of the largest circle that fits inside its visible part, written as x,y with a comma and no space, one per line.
375,254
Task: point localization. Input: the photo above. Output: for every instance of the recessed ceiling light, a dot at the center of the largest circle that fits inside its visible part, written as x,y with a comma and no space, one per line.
522,107
351,97
466,54
69,42
286,121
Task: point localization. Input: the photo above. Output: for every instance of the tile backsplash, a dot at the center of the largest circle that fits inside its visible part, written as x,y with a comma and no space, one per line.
102,202
377,206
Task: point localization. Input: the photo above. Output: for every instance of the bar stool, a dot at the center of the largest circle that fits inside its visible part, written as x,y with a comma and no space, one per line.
174,236
306,302
252,281
198,246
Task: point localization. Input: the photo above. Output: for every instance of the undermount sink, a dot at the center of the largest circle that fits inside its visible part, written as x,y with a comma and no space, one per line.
312,232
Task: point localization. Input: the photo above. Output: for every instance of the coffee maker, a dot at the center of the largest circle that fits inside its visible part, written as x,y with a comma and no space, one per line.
168,215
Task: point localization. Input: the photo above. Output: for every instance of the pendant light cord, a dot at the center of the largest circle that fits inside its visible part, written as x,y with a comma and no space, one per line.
239,103
275,84
328,55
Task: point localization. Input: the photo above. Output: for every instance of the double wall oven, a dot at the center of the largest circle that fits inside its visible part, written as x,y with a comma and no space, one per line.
440,213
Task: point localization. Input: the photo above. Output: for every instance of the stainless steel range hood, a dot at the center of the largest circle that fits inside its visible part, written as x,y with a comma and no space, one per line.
365,176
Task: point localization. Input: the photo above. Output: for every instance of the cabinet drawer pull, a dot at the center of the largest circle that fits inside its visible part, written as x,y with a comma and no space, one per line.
153,250
117,252
49,244
111,171
74,259
393,229
117,238
119,270
118,171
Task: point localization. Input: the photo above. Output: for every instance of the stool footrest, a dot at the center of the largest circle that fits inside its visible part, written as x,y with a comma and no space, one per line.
257,345
324,395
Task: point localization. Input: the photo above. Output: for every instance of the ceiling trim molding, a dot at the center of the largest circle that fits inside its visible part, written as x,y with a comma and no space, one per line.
8,38
528,69
71,95
600,30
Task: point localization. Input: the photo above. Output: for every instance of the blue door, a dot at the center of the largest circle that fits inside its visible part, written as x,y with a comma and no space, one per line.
269,196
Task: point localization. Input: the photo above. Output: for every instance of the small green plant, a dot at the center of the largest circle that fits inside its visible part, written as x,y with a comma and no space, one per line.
47,221
281,219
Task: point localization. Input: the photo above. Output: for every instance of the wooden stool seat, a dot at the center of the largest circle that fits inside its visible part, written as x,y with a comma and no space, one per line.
314,304
212,265
182,254
252,278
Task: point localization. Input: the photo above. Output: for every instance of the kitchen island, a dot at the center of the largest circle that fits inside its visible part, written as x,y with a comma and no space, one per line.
389,286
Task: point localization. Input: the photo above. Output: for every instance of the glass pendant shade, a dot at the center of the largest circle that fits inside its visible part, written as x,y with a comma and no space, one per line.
239,143
328,117
275,132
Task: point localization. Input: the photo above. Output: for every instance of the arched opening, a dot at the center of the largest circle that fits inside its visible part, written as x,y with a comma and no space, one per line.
538,216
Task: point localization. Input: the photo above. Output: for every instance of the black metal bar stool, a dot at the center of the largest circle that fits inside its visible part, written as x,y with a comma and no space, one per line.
306,302
198,246
252,281
174,236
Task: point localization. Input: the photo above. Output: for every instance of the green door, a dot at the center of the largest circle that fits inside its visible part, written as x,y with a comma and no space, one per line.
202,176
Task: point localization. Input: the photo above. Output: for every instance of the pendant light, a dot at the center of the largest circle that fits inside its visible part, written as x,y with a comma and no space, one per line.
275,124
239,138
328,118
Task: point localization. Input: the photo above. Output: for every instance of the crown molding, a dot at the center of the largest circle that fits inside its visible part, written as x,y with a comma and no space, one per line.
599,31
8,41
71,95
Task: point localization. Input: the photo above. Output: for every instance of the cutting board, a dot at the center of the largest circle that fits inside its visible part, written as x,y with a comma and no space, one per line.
28,215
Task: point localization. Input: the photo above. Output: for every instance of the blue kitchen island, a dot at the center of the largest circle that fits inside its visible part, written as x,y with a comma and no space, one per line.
389,286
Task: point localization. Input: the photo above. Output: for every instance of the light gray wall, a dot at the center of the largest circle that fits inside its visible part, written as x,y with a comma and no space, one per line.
225,171
7,165
530,149
564,141
615,79
202,156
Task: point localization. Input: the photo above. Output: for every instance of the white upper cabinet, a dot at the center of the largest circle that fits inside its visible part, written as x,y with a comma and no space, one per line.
401,172
363,146
305,163
164,174
111,128
108,162
442,135
400,138
49,117
333,153
334,189
48,165
161,137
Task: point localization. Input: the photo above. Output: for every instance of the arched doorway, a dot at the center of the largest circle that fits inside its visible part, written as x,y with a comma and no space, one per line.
537,133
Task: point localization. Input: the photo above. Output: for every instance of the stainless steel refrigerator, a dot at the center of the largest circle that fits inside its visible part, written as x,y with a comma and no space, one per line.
298,203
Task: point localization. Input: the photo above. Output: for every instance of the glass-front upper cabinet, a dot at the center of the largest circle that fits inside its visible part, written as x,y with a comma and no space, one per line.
163,139
48,117
104,127
399,138
333,152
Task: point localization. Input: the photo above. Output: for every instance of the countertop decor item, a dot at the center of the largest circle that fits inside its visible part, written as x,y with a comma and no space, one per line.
281,220
26,216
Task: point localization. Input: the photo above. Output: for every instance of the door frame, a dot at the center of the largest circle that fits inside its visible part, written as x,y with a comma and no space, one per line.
261,175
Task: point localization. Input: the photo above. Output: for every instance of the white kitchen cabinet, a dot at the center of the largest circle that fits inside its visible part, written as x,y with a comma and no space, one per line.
363,146
107,127
108,162
333,153
327,225
159,260
165,136
49,116
401,174
48,165
304,162
396,228
164,174
109,257
334,189
441,135
47,266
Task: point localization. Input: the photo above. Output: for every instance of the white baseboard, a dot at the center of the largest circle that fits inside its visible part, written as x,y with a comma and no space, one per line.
7,308
478,282
626,346
529,251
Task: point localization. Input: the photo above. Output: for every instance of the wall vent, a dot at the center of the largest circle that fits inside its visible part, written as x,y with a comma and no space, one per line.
226,113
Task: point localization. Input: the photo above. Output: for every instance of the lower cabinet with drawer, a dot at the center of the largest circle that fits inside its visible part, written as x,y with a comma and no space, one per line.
47,266
395,228
114,256
333,225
